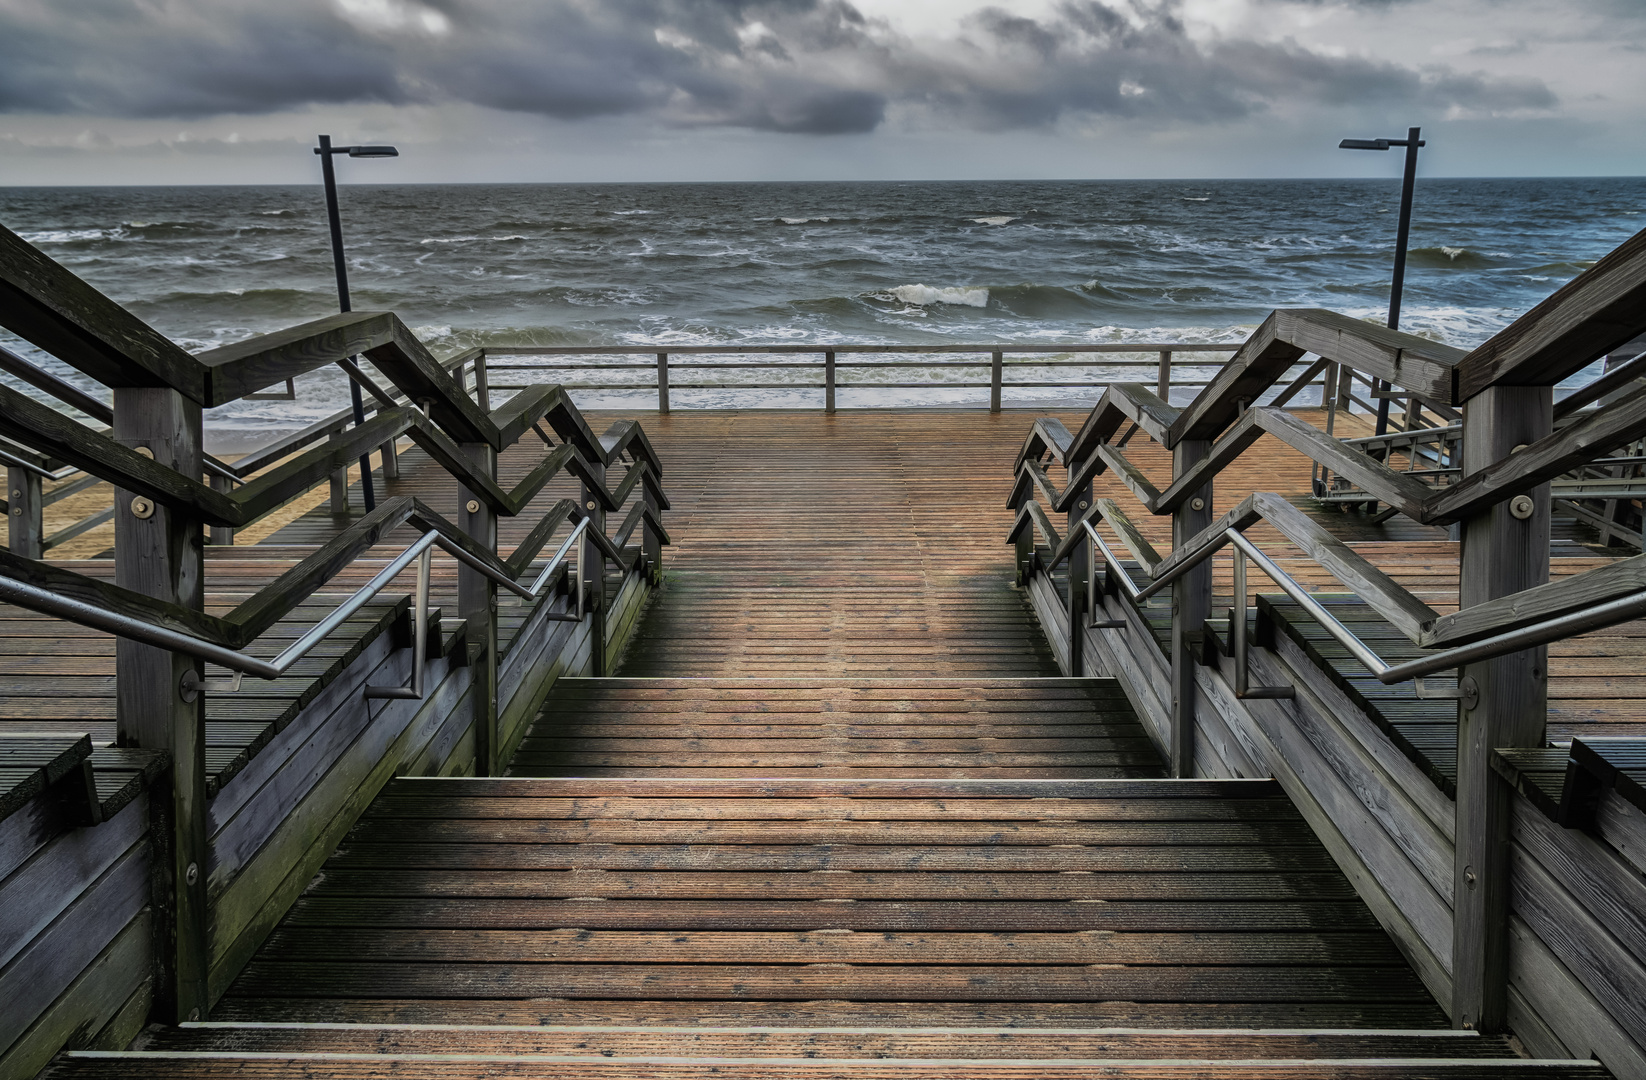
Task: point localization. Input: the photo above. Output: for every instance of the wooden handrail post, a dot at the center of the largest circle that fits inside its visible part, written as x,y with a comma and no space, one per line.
828,382
663,383
651,543
1163,378
591,572
1080,570
997,378
391,461
159,703
477,606
26,519
221,535
482,384
1504,703
339,496
1191,606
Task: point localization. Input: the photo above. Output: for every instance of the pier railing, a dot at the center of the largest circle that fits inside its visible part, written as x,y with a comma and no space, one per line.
1451,871
833,368
167,492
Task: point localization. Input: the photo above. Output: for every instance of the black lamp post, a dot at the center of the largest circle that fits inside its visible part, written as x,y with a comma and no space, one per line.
326,150
1411,142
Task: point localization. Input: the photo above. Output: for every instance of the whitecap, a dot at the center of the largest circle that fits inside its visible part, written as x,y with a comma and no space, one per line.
997,219
924,295
1195,198
63,236
1453,252
277,213
449,240
431,333
800,220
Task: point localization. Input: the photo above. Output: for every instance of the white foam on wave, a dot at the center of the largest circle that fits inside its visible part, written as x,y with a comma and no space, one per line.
926,295
1453,252
997,219
64,236
801,220
449,240
1195,198
431,333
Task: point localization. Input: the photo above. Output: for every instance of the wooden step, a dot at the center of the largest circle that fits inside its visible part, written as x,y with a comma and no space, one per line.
767,1042
837,727
86,1065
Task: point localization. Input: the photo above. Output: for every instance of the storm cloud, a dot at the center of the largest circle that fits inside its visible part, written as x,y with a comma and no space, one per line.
817,67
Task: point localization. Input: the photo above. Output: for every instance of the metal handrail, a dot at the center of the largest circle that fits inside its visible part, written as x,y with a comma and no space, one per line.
1540,633
79,611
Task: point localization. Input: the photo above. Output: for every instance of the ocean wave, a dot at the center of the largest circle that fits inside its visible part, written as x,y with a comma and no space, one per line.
927,295
1448,257
66,236
997,219
802,220
278,213
427,334
1194,198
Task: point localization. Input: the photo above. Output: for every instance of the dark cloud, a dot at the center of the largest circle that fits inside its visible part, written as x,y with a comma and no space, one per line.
803,66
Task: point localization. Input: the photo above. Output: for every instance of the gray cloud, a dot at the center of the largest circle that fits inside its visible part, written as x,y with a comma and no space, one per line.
803,66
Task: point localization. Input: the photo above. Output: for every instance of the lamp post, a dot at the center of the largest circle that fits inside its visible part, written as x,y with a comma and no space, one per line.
326,150
1411,142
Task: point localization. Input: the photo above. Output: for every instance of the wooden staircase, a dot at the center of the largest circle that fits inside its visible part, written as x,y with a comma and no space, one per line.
805,866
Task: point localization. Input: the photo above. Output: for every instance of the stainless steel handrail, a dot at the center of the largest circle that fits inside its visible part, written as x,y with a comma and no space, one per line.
1541,633
35,598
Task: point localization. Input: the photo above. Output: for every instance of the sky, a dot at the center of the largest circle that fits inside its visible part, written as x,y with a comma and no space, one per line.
235,91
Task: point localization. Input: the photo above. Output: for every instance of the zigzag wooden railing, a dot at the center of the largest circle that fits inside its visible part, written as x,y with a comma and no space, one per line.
1511,449
152,455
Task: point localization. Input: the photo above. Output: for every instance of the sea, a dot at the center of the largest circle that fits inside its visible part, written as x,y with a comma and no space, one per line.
1040,262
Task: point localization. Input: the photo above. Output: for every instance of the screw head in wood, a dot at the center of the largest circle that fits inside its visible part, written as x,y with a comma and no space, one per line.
472,506
1469,692
144,451
192,874
1084,504
589,505
1197,504
188,687
1521,506
142,508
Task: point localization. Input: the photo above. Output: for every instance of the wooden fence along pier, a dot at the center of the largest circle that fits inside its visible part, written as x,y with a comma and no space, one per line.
1200,732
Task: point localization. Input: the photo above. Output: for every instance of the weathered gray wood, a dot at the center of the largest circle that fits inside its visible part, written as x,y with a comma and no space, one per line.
1135,542
1191,605
1129,475
1543,459
1047,436
591,558
24,509
52,960
1606,887
42,890
1214,536
42,302
1501,554
1142,407
1080,567
1615,978
1403,359
1615,379
1598,310
251,905
1387,597
997,372
1566,1008
663,384
1559,597
477,606
161,556
1623,827
1415,916
106,988
1388,485
1298,384
828,382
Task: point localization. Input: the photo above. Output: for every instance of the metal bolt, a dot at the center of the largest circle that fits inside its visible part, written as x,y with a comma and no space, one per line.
1521,506
142,508
1469,692
1084,504
144,451
188,687
1197,504
472,506
192,874
1469,876
589,505
16,493
17,511
1519,447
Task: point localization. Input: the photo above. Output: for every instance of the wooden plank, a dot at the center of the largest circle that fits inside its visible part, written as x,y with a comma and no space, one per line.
1588,316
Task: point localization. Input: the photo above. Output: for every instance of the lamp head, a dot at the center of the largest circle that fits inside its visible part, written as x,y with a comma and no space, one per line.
373,151
1363,144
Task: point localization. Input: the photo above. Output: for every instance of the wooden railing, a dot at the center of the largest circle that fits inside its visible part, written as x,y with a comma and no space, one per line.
1511,448
152,454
